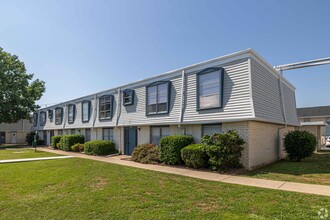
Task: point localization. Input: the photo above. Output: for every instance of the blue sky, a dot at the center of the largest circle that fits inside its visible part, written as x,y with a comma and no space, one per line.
82,47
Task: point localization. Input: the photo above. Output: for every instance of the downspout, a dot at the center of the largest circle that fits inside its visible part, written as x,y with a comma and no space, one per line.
118,116
118,106
95,111
279,141
64,117
182,97
183,83
282,99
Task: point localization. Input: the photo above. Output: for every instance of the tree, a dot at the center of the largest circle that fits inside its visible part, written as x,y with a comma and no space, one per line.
18,93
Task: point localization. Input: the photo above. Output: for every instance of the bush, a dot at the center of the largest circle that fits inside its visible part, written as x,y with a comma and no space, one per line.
299,144
54,141
146,153
195,156
77,147
30,137
170,147
100,147
224,150
40,142
58,145
67,141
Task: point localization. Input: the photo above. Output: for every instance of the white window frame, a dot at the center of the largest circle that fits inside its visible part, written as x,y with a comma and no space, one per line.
213,70
156,85
107,134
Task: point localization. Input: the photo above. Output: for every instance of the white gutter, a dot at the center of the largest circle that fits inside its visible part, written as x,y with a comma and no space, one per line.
95,111
64,117
182,96
282,99
118,106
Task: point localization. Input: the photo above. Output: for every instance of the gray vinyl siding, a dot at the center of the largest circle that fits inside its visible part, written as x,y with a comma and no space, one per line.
267,99
78,119
136,114
290,105
236,96
239,74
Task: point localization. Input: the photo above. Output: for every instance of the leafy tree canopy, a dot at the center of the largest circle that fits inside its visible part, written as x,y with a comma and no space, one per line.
18,93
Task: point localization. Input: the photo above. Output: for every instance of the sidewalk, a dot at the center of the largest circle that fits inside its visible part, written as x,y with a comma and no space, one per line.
33,159
246,181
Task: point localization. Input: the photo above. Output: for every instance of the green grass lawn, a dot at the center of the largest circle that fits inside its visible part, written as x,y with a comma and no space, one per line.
17,153
315,169
84,189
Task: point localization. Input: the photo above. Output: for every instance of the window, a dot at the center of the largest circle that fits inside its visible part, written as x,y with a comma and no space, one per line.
106,103
209,88
73,131
86,106
157,133
158,97
71,113
50,114
87,134
58,115
211,129
128,97
108,134
42,118
35,119
307,119
60,132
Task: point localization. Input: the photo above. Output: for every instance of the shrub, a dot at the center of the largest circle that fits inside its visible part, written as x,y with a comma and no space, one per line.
100,147
58,145
77,147
170,147
54,141
30,137
146,153
224,150
195,156
40,142
299,144
67,141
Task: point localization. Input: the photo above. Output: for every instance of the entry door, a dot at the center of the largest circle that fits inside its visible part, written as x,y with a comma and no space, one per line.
2,137
44,134
13,137
130,142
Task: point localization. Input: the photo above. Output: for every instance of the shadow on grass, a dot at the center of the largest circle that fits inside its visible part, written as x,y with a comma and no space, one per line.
4,146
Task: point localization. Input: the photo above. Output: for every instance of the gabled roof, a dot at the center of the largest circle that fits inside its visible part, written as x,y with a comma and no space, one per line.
314,111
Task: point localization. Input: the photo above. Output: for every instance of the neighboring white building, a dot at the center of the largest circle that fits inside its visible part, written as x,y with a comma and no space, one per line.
316,120
240,91
15,133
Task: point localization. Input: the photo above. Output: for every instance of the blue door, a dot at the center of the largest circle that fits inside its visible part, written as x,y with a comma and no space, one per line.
130,142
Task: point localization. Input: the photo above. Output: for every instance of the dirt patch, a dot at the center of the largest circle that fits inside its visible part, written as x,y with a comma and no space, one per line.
99,183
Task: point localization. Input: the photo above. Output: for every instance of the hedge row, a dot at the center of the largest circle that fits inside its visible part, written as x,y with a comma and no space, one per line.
67,141
170,147
75,142
146,153
100,147
54,141
219,151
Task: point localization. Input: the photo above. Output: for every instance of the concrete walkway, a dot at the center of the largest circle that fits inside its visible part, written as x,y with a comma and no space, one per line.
33,159
246,181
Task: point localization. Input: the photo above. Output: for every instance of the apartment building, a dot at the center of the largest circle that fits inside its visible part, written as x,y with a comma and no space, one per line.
239,91
14,133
